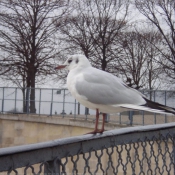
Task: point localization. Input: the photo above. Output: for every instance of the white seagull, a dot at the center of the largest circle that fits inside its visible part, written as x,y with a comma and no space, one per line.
104,92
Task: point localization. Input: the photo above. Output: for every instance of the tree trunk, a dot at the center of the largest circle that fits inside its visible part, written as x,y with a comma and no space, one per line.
104,64
32,93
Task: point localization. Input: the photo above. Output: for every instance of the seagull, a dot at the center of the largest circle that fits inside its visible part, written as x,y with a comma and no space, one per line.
104,92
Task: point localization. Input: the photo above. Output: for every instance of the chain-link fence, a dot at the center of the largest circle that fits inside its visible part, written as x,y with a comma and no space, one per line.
59,102
144,150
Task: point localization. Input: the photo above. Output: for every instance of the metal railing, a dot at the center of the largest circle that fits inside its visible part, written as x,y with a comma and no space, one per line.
140,150
47,101
59,102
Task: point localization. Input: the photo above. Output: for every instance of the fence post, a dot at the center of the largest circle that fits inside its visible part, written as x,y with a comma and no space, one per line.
2,100
120,118
39,101
63,111
143,118
155,119
131,117
165,105
75,106
173,144
15,98
51,104
52,167
86,113
78,108
27,99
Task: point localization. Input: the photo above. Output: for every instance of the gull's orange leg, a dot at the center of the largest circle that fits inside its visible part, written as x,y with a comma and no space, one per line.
96,123
96,130
103,124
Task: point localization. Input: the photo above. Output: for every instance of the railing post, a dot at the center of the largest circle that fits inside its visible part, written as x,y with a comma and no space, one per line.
51,108
107,118
15,98
85,111
173,152
2,100
63,111
75,106
165,98
27,99
51,104
78,108
131,117
165,105
155,119
120,119
143,118
39,101
52,167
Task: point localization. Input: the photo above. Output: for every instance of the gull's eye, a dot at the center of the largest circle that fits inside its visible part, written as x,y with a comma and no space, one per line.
69,61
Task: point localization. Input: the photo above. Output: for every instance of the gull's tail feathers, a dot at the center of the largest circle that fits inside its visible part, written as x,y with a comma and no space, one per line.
158,106
151,106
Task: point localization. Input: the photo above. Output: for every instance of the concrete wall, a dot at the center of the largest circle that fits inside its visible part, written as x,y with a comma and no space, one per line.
20,130
26,129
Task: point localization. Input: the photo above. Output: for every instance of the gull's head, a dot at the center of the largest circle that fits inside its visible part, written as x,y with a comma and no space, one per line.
75,61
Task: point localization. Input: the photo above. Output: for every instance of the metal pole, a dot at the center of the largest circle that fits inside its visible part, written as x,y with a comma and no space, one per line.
131,117
86,112
75,105
15,98
165,97
120,118
173,142
39,101
165,105
155,113
2,99
154,96
27,99
143,118
78,108
51,104
63,112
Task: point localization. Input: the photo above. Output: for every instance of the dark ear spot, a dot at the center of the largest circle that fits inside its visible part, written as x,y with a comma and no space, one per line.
69,61
77,60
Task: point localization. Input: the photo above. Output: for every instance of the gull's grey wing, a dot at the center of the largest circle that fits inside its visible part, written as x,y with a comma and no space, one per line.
100,87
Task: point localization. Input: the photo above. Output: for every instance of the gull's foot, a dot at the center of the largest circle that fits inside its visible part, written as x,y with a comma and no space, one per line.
96,131
101,131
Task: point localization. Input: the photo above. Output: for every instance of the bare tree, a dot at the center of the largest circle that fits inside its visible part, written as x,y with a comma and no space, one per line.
161,13
27,34
93,29
138,64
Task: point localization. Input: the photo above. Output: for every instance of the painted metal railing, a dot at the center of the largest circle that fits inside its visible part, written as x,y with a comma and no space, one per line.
133,151
59,102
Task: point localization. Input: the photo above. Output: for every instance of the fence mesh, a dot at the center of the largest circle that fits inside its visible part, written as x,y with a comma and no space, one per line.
148,157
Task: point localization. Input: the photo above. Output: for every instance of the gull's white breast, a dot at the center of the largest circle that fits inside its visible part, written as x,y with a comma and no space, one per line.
72,78
77,75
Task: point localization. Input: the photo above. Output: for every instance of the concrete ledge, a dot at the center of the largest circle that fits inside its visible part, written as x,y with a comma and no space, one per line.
59,120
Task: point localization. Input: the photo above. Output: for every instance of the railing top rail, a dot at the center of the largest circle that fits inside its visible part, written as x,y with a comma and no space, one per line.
82,138
36,88
64,88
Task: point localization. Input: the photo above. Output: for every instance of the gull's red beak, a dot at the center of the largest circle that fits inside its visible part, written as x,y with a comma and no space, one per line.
60,67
